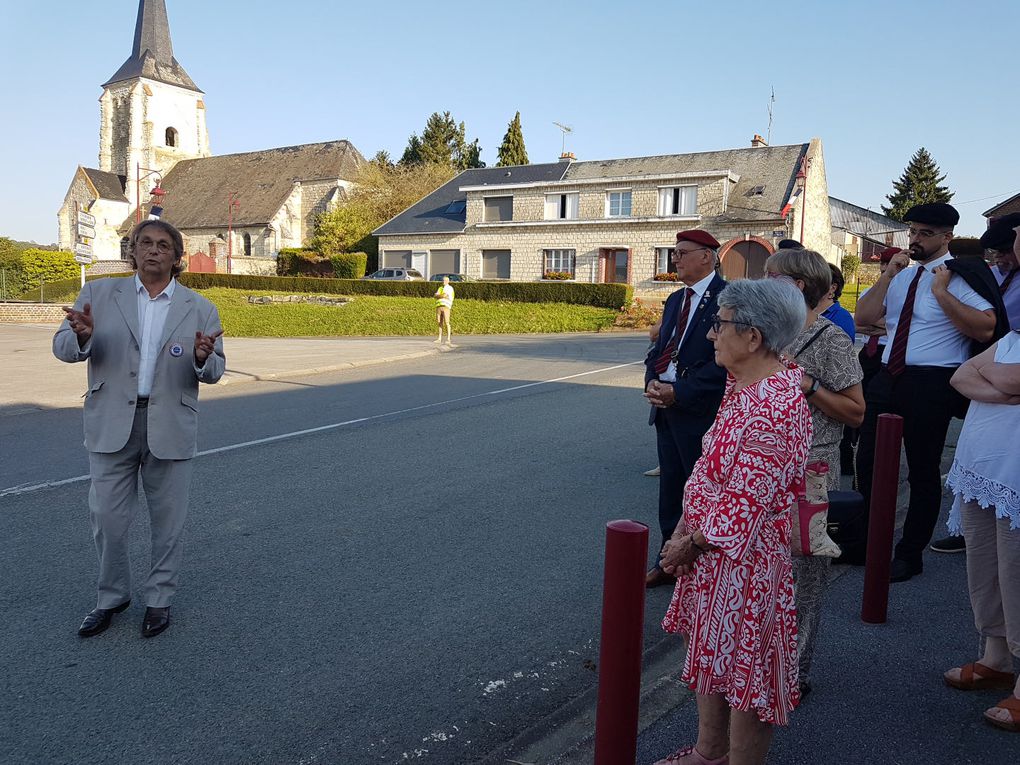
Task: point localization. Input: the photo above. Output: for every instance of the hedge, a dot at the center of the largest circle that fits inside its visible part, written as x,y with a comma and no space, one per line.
293,261
349,265
55,289
599,295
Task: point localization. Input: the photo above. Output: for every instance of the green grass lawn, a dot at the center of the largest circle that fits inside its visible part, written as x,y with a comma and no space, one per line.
369,315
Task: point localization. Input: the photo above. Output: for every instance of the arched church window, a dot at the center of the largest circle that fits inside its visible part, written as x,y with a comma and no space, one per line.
247,245
171,136
125,248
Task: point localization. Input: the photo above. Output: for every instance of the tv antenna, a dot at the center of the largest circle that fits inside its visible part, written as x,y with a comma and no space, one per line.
566,129
772,100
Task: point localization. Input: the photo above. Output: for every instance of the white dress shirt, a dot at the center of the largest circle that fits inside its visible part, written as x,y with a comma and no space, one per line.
934,340
152,313
1011,297
700,288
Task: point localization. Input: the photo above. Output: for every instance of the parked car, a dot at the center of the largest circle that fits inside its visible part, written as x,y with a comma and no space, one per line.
453,278
397,275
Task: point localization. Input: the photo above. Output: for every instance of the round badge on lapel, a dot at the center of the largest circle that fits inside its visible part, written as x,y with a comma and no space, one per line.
176,350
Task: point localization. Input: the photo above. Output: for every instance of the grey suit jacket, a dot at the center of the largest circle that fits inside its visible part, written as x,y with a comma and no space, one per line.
113,360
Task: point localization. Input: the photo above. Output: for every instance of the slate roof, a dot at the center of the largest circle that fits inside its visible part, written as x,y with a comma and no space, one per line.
197,190
772,168
866,223
431,215
152,55
1006,206
108,185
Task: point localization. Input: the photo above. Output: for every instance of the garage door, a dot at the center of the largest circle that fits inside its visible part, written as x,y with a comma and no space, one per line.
495,264
396,259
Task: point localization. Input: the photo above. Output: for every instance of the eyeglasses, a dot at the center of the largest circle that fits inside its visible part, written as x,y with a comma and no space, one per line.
677,254
717,323
162,247
923,233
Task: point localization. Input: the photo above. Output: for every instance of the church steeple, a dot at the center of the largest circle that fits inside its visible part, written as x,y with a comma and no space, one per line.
152,55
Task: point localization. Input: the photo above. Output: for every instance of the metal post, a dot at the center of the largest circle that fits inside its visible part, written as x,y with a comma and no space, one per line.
623,614
882,518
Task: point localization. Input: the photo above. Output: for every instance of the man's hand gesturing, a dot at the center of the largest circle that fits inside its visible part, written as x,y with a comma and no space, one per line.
204,345
81,322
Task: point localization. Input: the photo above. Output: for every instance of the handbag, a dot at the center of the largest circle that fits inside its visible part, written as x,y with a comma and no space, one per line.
810,536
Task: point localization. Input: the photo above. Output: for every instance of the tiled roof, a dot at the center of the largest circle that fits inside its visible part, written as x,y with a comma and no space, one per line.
152,55
866,223
108,185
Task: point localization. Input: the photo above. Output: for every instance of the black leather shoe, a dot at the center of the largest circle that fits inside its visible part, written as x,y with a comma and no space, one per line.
953,544
901,570
156,620
99,619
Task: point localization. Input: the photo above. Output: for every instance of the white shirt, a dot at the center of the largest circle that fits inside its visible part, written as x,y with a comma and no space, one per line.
934,340
700,288
152,313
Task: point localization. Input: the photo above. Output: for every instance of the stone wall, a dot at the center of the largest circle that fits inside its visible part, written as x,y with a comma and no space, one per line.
30,313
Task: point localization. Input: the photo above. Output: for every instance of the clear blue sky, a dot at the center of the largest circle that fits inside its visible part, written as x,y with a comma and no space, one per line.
873,80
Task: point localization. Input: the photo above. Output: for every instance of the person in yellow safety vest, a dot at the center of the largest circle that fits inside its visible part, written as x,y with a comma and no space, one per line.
444,303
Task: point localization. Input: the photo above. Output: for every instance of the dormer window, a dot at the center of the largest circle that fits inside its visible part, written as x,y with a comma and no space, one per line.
171,137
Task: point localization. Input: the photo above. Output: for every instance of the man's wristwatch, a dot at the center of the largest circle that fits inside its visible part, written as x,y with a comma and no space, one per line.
815,385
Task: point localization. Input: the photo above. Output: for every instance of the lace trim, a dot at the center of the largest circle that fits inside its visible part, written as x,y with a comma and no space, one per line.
972,487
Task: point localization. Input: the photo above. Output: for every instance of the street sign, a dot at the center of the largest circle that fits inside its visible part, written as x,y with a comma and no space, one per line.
88,220
84,249
85,260
86,231
779,234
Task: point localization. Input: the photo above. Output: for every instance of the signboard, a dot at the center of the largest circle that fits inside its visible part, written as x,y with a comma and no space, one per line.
780,234
85,260
86,231
88,220
83,249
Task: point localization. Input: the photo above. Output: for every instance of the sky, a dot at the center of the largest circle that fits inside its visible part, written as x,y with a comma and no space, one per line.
874,80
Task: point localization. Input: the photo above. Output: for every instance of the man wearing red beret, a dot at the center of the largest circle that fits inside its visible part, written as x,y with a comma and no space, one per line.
683,383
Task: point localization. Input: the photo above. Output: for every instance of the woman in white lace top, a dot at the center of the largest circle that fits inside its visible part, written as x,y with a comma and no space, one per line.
985,478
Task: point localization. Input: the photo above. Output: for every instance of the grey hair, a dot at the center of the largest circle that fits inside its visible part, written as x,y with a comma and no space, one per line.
775,307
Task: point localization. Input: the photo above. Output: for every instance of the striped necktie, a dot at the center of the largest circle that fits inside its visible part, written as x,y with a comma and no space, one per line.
662,363
898,352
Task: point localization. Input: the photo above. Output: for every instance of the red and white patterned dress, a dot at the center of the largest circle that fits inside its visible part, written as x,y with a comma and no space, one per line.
737,605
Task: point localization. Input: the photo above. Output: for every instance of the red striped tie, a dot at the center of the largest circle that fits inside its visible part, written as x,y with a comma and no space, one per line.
898,352
871,347
662,363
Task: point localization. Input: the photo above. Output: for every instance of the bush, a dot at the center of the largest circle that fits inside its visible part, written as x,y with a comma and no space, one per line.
60,290
666,277
598,295
294,261
349,265
849,266
557,275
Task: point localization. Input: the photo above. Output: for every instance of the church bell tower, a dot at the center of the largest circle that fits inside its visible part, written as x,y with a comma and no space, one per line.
151,112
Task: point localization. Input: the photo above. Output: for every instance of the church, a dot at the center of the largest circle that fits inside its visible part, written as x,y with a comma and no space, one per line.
236,211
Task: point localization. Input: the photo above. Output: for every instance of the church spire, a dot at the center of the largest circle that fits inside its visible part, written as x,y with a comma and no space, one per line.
152,55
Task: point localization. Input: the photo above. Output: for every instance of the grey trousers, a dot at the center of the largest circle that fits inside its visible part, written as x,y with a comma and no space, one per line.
812,580
113,502
993,573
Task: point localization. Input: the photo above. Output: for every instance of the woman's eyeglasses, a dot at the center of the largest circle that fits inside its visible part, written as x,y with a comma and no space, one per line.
717,323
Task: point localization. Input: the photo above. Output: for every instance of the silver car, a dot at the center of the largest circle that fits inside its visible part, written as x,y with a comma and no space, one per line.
397,275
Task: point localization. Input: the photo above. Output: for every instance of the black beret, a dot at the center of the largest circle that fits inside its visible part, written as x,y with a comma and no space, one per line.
789,244
933,214
1000,233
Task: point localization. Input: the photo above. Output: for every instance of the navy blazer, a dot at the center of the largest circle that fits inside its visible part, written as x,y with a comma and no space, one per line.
700,381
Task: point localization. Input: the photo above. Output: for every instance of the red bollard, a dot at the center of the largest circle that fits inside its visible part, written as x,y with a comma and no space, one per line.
623,616
882,519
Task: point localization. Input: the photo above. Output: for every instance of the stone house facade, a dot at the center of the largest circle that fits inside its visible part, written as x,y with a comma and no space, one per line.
615,220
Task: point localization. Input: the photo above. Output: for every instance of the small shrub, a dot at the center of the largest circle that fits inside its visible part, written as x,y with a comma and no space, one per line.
349,265
666,277
849,266
557,275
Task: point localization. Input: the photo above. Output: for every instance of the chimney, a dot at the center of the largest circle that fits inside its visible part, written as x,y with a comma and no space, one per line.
568,156
757,142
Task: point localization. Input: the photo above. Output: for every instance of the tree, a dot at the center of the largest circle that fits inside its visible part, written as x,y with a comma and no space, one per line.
512,151
919,184
382,158
442,142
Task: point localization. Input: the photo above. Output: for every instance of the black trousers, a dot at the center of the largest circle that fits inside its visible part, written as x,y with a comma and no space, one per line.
678,439
924,399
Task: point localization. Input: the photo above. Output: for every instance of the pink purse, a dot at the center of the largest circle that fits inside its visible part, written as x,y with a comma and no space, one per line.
810,536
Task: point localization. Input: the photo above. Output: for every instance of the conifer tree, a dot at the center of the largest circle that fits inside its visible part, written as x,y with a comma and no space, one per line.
442,142
920,184
512,151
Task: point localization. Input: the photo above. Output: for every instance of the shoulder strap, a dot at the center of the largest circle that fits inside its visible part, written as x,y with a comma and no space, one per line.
814,337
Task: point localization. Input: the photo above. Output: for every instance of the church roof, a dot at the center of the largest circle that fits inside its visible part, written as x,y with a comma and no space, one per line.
107,185
198,190
152,55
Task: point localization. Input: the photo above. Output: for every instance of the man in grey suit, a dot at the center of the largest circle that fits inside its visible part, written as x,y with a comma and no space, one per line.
148,341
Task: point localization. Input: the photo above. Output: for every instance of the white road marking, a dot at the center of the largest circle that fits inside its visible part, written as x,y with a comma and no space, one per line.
14,491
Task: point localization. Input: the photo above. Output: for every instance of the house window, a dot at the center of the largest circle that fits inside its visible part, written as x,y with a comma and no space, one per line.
171,137
125,248
395,259
618,204
560,261
664,260
561,206
678,200
212,249
498,209
247,245
444,261
495,264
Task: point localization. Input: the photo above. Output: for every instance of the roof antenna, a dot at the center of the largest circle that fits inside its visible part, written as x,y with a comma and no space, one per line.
566,129
772,100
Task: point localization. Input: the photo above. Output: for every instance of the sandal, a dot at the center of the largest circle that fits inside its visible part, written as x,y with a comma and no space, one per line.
688,755
1011,705
977,677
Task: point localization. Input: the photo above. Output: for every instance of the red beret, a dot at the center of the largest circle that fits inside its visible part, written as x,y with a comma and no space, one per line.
886,255
698,236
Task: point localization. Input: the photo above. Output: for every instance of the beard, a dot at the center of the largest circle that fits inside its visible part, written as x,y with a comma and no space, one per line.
917,253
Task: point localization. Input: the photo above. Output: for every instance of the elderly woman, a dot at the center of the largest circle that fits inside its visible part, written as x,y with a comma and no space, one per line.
731,553
832,386
985,477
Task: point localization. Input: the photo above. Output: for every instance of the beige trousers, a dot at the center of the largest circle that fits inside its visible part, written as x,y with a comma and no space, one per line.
993,573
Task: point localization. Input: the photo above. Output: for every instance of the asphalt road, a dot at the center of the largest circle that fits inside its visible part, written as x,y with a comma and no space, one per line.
417,578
